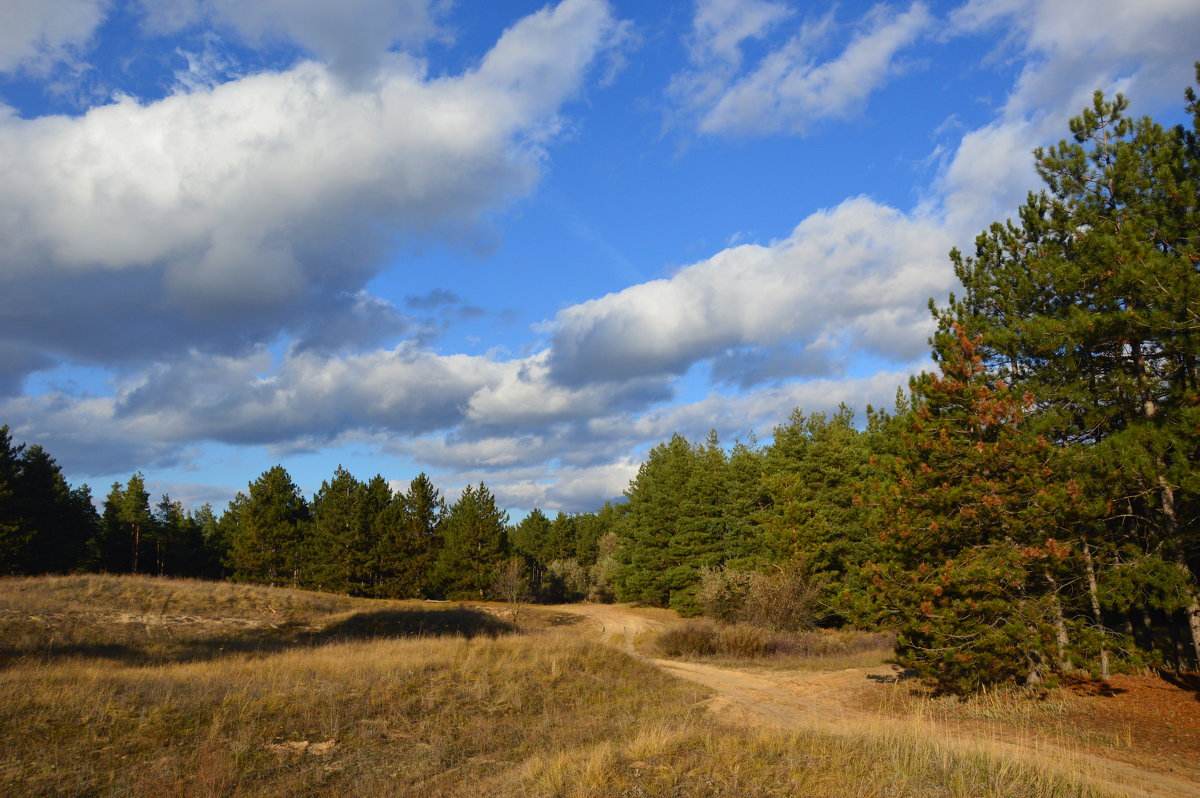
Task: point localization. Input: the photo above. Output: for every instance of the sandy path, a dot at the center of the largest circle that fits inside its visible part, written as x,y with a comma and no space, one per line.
828,701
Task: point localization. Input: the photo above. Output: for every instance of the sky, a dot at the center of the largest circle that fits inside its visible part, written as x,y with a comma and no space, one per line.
509,242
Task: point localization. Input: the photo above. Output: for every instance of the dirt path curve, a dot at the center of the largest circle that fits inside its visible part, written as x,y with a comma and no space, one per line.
829,701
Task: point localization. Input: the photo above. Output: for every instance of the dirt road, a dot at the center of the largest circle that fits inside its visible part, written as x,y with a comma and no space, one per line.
831,701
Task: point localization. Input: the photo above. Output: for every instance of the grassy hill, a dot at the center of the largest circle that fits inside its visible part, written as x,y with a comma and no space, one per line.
147,687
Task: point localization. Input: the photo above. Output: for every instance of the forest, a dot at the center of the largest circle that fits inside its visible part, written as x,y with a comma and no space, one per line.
1028,510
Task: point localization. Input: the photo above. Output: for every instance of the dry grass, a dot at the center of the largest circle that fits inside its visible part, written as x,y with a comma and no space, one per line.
699,760
326,695
147,620
1031,714
744,644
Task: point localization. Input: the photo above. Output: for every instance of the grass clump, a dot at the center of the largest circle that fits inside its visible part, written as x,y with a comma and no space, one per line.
703,638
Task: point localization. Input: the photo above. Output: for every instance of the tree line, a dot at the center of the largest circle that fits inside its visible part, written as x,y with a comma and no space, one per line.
1031,509
353,537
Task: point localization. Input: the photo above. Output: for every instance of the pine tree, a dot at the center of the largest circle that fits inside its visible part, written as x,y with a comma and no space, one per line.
475,545
1091,301
12,535
744,502
214,547
375,498
127,528
974,518
339,538
408,535
650,572
814,475
560,543
528,538
267,541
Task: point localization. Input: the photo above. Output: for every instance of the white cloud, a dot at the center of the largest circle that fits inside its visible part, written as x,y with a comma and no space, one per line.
857,275
1145,49
351,35
790,88
316,397
217,218
720,26
85,436
37,34
567,489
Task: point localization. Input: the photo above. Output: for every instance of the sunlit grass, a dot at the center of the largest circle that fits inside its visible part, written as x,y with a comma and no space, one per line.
327,695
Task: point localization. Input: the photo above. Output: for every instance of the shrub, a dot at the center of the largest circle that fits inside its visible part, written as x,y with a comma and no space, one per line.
722,592
783,600
747,641
696,638
706,638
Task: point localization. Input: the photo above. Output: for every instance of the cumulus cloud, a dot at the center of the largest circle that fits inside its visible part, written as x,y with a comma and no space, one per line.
857,275
218,218
315,397
35,35
1145,51
572,489
85,436
351,35
578,466
790,88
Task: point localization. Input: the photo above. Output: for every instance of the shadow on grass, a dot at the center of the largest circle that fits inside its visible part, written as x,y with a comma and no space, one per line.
165,645
1183,680
1087,686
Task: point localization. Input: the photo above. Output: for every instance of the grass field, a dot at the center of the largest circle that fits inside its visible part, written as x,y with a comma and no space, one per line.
127,686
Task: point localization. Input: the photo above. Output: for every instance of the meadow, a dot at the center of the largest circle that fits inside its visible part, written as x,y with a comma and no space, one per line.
136,686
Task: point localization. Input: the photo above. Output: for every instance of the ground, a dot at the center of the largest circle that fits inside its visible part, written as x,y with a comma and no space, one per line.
1142,733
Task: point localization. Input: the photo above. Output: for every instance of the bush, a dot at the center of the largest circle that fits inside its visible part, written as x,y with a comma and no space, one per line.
784,600
568,581
722,592
706,638
689,639
746,641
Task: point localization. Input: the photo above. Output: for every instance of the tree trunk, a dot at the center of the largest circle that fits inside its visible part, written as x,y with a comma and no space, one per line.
1192,612
1061,638
1148,629
1097,616
1193,619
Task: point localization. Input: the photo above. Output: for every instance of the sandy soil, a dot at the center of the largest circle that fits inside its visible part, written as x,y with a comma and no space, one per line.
833,701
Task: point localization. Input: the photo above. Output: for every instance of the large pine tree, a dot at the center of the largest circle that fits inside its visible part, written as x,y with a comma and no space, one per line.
475,545
338,544
974,518
1091,301
814,474
269,528
408,537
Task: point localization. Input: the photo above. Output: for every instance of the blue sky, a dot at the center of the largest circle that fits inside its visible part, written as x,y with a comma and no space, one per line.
509,242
